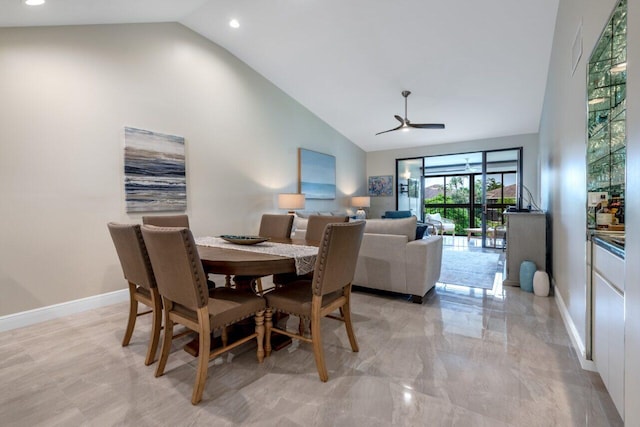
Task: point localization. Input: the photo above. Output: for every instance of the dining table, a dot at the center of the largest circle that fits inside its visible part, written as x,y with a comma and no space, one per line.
246,263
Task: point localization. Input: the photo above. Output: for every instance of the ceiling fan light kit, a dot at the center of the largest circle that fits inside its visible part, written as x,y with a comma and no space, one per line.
405,124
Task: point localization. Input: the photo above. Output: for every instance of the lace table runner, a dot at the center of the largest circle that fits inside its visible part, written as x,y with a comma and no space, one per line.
304,256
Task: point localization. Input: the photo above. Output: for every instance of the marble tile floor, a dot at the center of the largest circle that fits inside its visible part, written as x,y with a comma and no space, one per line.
466,357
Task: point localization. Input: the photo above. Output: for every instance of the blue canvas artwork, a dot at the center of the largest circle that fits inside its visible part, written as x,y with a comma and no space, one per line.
317,175
154,171
381,185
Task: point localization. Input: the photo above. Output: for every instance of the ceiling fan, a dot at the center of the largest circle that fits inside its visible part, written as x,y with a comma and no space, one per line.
406,124
468,167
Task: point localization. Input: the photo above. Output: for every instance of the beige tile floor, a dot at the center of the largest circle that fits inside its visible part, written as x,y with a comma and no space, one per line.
466,357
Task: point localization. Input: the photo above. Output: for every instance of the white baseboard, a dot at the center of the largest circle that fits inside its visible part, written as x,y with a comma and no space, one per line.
30,317
578,345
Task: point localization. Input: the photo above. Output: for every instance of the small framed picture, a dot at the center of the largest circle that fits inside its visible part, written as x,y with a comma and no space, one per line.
381,186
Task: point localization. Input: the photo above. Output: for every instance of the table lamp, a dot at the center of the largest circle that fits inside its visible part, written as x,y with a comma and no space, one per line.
291,201
361,202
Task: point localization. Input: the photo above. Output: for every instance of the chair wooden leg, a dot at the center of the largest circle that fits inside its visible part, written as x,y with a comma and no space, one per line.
316,338
203,355
301,326
168,338
224,336
345,310
156,325
260,331
133,313
267,334
349,326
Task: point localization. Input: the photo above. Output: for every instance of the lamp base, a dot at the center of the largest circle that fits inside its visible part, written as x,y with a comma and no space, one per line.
361,214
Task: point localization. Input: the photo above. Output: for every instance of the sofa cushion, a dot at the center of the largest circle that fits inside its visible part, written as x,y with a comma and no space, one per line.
300,223
305,214
402,226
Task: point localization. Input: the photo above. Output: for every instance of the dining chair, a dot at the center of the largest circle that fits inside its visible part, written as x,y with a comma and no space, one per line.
329,290
274,227
137,270
172,221
317,223
166,220
182,284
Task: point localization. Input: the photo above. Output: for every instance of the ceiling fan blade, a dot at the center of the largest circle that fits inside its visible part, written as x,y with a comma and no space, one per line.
426,125
391,130
405,123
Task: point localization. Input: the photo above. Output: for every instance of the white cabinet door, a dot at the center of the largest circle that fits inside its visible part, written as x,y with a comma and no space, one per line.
616,351
601,326
608,338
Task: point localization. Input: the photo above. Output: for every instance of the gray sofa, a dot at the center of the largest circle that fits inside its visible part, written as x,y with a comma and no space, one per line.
390,258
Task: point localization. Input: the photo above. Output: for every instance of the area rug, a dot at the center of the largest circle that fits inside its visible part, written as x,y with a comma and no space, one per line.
469,268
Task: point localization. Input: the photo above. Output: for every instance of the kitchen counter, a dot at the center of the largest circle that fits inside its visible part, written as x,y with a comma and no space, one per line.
612,241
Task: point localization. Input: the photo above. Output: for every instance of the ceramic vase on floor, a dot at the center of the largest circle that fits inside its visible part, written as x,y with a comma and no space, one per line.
541,283
527,270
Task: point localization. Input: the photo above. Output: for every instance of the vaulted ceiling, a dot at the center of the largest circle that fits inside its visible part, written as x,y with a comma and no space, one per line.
480,67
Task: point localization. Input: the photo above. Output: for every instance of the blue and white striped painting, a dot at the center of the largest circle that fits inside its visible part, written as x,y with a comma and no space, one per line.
317,175
154,171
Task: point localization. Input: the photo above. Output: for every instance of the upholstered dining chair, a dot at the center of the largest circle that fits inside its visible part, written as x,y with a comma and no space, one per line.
275,227
315,229
182,285
329,290
317,223
171,221
167,220
137,270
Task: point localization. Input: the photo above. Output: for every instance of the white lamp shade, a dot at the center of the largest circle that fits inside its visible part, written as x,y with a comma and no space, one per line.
291,201
361,201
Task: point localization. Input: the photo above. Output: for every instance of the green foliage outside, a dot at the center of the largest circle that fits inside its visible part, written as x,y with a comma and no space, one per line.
458,193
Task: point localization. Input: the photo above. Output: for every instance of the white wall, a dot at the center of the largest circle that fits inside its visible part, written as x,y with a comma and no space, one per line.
563,173
68,92
383,162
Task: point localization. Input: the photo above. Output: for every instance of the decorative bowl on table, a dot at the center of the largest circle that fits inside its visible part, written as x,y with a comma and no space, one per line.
243,240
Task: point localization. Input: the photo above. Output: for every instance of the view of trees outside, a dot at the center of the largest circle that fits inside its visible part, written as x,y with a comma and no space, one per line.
450,196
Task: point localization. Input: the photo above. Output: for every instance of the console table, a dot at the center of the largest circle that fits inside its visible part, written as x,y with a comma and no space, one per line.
526,240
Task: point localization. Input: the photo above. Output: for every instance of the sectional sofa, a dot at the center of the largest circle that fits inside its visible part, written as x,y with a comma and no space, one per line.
392,259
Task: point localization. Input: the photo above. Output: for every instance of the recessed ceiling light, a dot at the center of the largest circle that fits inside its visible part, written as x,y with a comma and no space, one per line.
34,2
234,23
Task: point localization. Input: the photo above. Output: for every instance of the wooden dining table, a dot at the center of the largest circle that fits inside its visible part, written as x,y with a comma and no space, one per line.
246,266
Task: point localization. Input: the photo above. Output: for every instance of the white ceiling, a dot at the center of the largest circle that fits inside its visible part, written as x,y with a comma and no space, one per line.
480,67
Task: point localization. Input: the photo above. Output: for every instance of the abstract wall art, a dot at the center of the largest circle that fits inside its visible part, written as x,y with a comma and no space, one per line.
381,185
316,174
154,171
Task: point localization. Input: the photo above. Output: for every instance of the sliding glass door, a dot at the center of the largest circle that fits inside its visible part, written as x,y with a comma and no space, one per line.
470,189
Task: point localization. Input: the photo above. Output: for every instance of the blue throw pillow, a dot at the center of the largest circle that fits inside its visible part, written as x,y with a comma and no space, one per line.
420,230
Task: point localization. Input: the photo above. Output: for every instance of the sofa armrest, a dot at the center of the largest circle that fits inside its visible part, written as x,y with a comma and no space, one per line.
423,263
